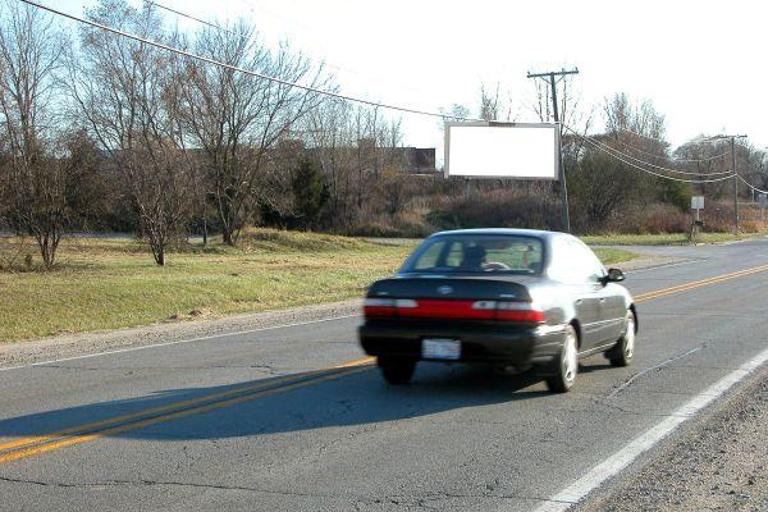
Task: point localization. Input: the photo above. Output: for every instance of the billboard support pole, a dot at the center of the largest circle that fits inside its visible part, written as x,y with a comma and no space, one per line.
563,184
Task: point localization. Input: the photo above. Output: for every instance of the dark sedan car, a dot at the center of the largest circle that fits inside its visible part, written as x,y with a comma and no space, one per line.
507,297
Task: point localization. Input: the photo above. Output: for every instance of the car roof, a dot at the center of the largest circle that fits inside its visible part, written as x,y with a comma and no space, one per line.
537,233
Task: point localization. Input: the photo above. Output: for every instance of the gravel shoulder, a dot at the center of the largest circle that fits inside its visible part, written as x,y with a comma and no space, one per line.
717,462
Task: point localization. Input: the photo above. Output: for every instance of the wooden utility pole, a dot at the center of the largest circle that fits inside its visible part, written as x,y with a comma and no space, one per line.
735,176
735,187
553,77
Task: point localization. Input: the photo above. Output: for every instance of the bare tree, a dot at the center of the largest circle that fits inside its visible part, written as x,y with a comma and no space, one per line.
35,182
602,186
329,136
126,93
489,103
236,119
642,119
357,151
454,112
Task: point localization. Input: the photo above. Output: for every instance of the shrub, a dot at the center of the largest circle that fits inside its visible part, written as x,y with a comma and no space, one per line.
497,208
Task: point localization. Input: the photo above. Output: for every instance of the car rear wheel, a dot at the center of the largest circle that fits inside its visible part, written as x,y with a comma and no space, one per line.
396,371
621,354
568,363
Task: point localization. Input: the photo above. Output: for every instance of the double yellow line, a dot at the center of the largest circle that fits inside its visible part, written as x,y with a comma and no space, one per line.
698,284
35,445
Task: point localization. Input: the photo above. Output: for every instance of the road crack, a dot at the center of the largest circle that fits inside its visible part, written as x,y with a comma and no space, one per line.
167,483
657,367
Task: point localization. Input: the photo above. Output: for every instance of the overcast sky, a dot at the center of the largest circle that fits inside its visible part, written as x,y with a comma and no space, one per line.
701,63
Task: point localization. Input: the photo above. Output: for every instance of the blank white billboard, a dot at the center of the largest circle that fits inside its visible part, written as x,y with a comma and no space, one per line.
479,150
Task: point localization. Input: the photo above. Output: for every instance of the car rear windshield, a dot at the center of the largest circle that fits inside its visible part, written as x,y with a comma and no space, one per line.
475,254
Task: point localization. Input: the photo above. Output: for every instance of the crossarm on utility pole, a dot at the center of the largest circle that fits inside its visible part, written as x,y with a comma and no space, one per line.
556,112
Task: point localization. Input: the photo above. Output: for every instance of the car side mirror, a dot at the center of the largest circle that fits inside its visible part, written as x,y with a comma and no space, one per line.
614,275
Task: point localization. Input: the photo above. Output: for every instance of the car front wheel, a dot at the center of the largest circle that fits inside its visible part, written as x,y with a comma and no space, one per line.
396,371
568,363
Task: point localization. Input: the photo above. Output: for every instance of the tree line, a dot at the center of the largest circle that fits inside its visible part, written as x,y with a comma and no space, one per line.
107,132
102,132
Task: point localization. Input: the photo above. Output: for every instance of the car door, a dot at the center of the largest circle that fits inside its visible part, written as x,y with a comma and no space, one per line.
610,300
572,268
614,308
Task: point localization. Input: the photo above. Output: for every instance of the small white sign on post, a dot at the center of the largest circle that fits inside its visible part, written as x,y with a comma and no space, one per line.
762,200
697,203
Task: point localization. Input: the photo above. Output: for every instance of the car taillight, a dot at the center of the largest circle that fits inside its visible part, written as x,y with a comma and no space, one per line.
379,307
527,312
507,311
387,307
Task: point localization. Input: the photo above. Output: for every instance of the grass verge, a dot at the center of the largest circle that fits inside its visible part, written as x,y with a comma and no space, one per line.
109,283
665,238
611,256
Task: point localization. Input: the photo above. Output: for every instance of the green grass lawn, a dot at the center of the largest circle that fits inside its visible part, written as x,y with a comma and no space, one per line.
113,283
664,238
610,256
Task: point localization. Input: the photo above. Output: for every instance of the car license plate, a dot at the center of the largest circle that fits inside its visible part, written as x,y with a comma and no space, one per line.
440,348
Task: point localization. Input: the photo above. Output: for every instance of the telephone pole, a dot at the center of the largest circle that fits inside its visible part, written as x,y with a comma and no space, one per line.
553,77
733,138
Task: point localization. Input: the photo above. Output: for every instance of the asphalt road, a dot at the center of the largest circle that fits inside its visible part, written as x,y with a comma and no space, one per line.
264,422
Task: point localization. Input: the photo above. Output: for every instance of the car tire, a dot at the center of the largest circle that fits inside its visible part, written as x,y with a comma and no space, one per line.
397,371
567,365
621,354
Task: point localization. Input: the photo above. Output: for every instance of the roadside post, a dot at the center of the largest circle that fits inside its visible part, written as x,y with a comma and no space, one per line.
697,204
762,202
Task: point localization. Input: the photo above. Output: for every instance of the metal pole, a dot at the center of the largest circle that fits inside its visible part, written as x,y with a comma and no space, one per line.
563,183
735,187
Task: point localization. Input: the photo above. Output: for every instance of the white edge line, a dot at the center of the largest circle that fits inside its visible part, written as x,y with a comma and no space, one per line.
176,342
615,463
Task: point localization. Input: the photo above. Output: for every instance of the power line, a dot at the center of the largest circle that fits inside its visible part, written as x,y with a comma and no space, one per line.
694,141
190,17
658,175
710,139
609,151
615,153
553,88
318,41
667,169
222,28
751,186
256,74
660,167
680,160
643,162
649,137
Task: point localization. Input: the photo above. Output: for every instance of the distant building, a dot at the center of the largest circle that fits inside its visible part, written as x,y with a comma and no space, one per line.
410,160
413,160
